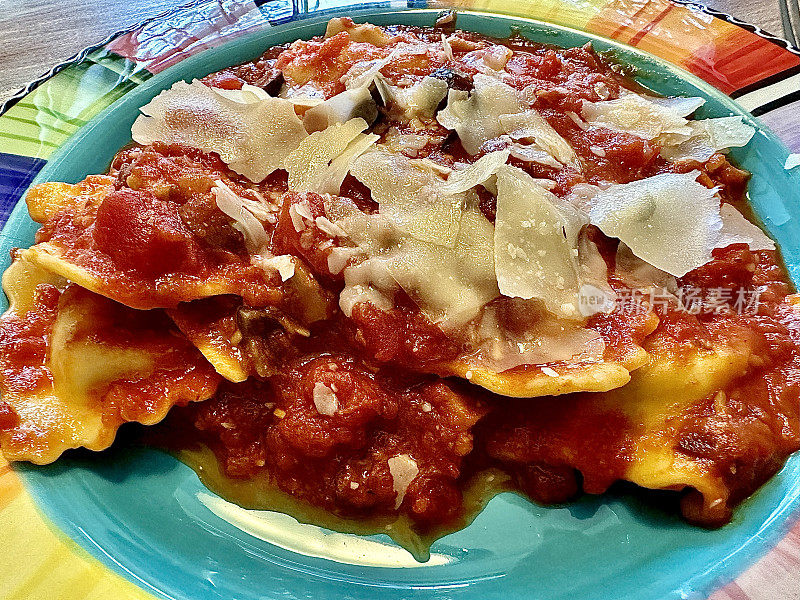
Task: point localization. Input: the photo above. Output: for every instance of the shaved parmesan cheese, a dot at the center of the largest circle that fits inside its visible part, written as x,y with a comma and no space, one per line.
356,103
535,243
447,49
450,285
532,153
251,131
418,100
792,161
333,230
708,136
305,101
491,60
316,165
353,294
361,32
474,174
283,264
669,220
635,114
475,116
339,257
581,196
404,470
410,192
299,213
325,400
532,125
234,206
738,230
595,294
639,275
679,105
362,73
516,332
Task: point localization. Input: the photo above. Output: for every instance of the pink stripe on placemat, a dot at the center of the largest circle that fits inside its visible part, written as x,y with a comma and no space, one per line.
774,577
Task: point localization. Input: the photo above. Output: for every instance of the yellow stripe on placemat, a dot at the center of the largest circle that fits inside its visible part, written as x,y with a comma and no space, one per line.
39,564
570,13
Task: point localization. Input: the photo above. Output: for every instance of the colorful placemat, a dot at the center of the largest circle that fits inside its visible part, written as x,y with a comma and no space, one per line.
760,70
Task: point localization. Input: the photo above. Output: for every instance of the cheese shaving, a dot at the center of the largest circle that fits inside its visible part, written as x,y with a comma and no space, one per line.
410,192
637,115
325,400
535,243
450,285
669,220
475,116
680,105
313,166
234,206
513,332
708,136
639,275
532,125
418,100
251,131
474,174
339,257
403,470
341,108
284,264
363,73
738,230
532,153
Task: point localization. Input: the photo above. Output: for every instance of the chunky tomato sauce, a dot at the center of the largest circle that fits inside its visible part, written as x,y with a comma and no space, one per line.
551,448
160,229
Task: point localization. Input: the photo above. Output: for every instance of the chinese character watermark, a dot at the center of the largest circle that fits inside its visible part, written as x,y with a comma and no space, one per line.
687,299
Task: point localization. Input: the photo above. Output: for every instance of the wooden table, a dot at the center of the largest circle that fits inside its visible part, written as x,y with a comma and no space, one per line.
37,34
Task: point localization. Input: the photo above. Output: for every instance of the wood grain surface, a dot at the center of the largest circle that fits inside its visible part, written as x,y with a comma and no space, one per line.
37,34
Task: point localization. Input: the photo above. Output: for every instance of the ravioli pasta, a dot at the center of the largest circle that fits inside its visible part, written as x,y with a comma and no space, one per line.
76,366
426,269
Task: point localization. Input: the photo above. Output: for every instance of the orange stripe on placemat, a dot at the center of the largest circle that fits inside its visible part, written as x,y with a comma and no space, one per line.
10,485
10,488
649,27
729,64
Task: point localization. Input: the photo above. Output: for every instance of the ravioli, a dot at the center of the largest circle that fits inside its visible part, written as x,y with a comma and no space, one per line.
210,324
74,366
135,248
448,261
710,416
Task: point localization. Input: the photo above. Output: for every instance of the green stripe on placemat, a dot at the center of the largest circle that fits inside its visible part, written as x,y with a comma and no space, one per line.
44,119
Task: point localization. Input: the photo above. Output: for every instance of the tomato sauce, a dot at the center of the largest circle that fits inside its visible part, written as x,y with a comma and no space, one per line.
24,343
377,364
549,449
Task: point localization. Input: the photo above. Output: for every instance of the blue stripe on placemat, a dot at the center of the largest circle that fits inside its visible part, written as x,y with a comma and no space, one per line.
16,174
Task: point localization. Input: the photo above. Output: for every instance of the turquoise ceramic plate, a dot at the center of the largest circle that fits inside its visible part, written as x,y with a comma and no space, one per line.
148,517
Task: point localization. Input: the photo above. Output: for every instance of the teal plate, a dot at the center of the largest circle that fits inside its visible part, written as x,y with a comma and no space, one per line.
147,516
